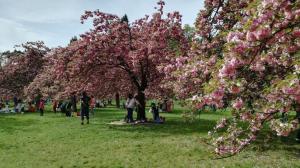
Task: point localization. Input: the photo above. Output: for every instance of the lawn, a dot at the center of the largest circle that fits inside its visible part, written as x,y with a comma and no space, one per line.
29,141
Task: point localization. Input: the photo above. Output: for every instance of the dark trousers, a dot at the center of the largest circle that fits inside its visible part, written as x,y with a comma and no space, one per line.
155,116
41,112
68,113
130,114
85,112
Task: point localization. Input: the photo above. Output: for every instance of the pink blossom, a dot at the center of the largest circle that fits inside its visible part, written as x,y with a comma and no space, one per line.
251,36
218,95
293,49
245,116
288,15
235,89
288,90
240,48
296,33
266,3
227,71
263,33
238,104
258,67
222,123
234,37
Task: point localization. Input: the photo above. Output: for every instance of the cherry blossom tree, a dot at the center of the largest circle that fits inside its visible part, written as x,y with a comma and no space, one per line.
20,67
190,71
247,53
121,57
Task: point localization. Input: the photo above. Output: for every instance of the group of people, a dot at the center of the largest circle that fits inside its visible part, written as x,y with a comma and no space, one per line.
69,107
132,104
18,106
88,105
4,105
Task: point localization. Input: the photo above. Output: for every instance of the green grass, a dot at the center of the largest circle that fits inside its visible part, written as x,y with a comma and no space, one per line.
29,141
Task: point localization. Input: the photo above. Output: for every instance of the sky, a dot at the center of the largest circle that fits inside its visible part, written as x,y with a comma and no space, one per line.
56,21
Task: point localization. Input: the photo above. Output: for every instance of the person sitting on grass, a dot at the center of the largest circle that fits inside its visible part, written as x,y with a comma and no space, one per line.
20,106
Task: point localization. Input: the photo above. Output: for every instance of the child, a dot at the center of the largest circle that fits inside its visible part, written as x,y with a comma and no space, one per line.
42,107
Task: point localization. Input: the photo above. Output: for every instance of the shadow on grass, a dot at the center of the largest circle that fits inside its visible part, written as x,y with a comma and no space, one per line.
275,143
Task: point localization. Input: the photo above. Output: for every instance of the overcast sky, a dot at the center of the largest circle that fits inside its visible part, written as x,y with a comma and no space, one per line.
56,21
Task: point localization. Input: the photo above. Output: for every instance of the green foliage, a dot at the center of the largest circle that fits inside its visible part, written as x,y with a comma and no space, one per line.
189,32
73,39
125,19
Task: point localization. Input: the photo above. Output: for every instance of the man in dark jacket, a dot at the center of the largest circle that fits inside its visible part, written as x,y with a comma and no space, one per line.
85,105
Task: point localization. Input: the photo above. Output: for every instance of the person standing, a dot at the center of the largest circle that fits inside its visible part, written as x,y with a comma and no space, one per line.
31,107
15,100
42,107
85,101
169,105
54,105
155,112
93,105
6,100
130,105
37,101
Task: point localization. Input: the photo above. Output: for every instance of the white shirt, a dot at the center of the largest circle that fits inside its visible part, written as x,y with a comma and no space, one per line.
130,103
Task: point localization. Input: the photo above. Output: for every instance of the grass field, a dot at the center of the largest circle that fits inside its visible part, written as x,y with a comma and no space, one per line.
31,141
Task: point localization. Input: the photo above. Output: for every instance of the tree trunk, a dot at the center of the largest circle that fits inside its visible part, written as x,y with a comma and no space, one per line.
118,100
142,106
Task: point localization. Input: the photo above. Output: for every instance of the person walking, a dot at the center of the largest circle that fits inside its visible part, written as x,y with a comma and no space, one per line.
85,101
